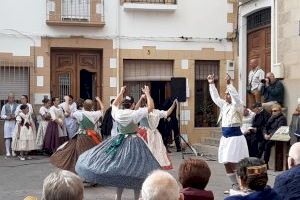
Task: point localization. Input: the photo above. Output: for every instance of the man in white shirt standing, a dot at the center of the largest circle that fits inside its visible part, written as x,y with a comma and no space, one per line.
255,76
233,145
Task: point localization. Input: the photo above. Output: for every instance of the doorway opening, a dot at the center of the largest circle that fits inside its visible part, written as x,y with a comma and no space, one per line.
87,84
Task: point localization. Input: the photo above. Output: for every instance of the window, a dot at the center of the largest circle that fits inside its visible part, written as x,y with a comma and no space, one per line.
205,110
64,85
259,19
77,10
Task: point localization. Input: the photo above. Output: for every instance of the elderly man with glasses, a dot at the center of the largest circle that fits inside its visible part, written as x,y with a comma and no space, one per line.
276,120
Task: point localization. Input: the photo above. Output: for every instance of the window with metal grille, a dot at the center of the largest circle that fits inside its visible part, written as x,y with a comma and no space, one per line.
205,110
64,85
14,77
152,1
75,10
259,19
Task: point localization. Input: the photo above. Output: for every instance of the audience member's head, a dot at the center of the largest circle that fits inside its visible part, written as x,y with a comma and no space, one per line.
79,103
11,97
252,173
253,63
194,173
62,185
271,77
276,109
294,155
160,185
88,105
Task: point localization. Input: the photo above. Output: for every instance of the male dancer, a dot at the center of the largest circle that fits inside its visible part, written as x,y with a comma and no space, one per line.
233,145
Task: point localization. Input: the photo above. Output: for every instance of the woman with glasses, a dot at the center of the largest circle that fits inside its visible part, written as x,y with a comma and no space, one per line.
276,120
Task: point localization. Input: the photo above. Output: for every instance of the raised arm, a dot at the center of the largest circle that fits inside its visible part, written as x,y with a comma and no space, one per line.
138,104
150,103
214,94
119,98
235,98
170,110
100,103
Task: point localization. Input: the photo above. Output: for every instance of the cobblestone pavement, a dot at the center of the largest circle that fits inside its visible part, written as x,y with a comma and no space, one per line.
23,178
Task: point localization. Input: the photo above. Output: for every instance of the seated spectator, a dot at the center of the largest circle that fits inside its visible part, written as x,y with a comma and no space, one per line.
161,185
276,120
194,175
272,90
253,176
287,184
255,139
248,116
62,185
295,125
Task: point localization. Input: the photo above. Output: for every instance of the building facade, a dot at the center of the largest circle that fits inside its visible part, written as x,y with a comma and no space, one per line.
90,48
269,30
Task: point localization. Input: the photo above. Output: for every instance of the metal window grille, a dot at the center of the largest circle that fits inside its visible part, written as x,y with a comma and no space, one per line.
152,1
259,19
64,85
14,77
75,10
205,109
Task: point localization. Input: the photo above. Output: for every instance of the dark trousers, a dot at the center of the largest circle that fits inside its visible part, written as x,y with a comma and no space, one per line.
266,146
252,143
166,127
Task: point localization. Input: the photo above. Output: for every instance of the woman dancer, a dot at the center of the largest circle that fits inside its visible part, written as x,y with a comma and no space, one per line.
56,133
69,107
123,161
148,131
66,156
46,117
25,135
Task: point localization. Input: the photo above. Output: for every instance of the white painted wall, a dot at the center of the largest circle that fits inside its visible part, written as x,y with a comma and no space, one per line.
244,11
199,19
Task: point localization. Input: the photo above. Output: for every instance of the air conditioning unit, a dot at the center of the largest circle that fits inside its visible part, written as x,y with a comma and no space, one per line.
230,68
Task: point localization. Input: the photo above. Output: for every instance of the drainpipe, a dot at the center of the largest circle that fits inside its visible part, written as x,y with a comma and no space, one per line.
118,45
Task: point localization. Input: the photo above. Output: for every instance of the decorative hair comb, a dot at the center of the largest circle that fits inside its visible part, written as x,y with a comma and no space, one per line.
255,170
128,98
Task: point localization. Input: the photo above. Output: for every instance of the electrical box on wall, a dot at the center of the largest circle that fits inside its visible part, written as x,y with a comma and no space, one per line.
230,68
278,70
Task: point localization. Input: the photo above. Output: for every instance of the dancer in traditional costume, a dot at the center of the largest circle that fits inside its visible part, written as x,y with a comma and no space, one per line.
45,118
56,133
123,161
149,132
67,154
69,107
233,145
8,114
24,101
26,133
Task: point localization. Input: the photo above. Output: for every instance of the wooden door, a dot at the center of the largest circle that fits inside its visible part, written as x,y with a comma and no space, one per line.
66,66
259,46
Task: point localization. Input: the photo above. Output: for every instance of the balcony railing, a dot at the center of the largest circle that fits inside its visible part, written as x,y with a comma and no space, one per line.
151,1
75,12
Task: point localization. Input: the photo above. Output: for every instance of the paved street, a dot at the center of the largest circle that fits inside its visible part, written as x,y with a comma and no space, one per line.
22,178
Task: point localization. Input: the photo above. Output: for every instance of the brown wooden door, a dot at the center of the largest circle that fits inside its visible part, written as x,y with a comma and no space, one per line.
259,46
66,72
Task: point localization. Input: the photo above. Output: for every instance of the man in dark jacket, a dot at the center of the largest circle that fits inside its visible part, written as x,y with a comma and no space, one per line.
276,120
256,135
272,90
287,184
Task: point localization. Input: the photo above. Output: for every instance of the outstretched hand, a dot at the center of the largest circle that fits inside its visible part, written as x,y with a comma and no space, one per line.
211,78
228,79
146,90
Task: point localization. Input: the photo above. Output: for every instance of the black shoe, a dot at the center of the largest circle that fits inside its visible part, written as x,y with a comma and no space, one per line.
178,150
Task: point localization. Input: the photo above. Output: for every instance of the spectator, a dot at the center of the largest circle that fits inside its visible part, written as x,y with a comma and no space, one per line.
8,114
161,185
194,175
248,116
109,126
272,90
255,76
62,185
287,184
295,125
256,132
253,181
276,120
